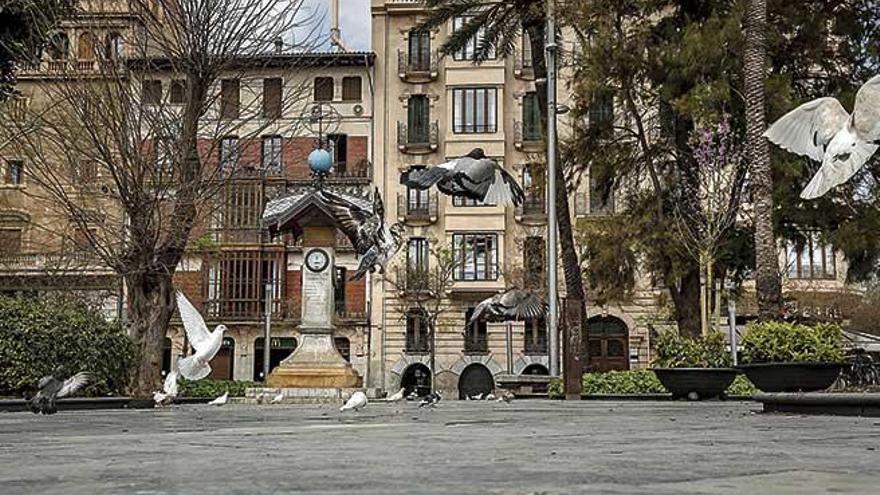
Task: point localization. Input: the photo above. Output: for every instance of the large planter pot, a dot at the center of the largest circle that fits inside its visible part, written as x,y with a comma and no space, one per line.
792,377
695,383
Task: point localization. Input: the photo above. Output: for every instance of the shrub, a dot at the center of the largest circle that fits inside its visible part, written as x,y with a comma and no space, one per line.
39,335
636,382
777,342
213,388
678,351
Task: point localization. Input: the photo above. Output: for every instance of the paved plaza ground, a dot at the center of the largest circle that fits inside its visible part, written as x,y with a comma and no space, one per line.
460,447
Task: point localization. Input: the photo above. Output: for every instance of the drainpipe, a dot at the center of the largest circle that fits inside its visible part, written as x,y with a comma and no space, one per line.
335,33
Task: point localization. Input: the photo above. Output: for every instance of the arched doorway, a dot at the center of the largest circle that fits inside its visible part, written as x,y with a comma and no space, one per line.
280,349
223,362
607,344
475,379
416,377
536,369
343,345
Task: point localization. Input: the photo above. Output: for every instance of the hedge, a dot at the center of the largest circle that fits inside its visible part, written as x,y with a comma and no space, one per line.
214,388
635,382
37,335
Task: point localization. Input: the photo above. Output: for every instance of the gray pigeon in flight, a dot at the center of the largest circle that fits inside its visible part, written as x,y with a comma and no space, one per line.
473,176
515,304
825,132
53,387
374,241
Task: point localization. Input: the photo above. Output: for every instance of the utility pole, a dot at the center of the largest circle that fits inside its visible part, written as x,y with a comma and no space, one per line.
552,284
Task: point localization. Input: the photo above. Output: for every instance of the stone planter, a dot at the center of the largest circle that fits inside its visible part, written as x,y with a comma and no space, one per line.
792,377
695,383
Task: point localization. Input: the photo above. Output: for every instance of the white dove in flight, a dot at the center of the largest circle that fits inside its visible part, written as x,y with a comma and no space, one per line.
206,344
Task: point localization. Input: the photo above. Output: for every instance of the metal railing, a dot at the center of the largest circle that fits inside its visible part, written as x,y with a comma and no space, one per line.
535,346
533,206
411,140
476,343
422,68
526,136
412,280
420,209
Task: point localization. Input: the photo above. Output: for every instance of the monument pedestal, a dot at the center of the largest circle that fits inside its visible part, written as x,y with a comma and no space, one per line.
315,364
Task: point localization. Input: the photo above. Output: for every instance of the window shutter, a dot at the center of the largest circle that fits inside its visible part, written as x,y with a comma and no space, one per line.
272,89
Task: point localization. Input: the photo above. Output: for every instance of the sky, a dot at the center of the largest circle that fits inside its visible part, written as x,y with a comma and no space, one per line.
354,20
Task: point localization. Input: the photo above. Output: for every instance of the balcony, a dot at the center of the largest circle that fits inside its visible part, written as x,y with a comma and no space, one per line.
476,344
417,343
419,69
421,210
527,137
70,68
413,281
343,314
342,173
248,309
537,345
532,211
418,141
54,263
522,66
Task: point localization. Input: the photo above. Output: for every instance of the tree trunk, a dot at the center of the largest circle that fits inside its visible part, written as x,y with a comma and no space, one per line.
767,283
574,324
150,306
686,298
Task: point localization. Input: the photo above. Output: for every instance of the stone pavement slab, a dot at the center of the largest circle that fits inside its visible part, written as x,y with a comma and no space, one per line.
528,446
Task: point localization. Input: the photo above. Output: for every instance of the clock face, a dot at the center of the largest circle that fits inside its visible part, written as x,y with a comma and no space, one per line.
317,260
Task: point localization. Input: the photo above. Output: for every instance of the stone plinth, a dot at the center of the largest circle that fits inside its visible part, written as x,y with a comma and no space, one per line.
320,395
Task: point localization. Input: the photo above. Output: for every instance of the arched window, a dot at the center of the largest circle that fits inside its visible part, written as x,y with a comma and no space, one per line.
58,47
416,377
535,369
416,330
85,48
475,379
114,46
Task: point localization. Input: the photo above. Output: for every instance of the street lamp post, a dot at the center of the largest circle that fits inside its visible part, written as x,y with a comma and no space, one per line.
731,319
267,331
551,193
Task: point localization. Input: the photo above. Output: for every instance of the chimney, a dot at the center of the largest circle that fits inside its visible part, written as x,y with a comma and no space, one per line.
335,33
279,45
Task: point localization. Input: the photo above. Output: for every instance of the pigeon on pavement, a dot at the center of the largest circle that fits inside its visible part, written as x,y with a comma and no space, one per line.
220,401
825,132
168,393
397,397
430,400
206,344
52,387
277,399
357,401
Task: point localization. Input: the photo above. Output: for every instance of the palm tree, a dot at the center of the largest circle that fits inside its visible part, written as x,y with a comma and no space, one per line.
500,26
767,280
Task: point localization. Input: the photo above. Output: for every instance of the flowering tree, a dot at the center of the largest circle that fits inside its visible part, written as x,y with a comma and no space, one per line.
708,200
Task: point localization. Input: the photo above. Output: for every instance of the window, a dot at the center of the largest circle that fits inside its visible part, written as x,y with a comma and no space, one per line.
476,256
10,241
323,89
271,154
533,184
531,115
417,330
814,259
272,96
473,110
339,289
229,98
463,201
475,335
351,88
236,283
418,115
337,145
417,263
177,92
468,52
526,50
151,92
601,112
601,198
114,46
229,153
343,346
535,336
86,47
59,47
417,200
420,50
533,262
14,172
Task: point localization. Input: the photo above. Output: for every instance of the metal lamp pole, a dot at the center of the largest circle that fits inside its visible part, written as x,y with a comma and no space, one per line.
267,335
551,193
731,319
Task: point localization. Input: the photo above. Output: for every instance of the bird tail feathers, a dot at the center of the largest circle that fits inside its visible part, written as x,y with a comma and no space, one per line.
191,369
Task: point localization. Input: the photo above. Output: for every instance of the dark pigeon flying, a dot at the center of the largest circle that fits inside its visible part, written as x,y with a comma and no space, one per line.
515,304
374,241
52,387
473,176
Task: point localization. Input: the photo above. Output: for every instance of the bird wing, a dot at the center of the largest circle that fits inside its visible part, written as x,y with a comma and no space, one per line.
378,205
866,112
193,323
809,128
521,305
424,178
44,381
350,219
485,307
74,383
170,385
835,172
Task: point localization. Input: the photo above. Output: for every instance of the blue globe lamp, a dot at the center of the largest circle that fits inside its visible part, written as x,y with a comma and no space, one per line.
320,161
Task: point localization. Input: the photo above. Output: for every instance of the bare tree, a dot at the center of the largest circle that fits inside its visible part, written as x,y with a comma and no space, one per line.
423,290
135,169
705,214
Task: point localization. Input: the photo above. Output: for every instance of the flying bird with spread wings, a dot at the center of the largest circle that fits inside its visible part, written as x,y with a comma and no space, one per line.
374,241
474,176
514,304
205,343
168,393
825,132
52,387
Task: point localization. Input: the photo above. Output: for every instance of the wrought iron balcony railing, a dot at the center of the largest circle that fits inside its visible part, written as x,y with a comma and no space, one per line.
420,209
418,140
527,137
522,65
533,208
476,344
420,67
535,345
